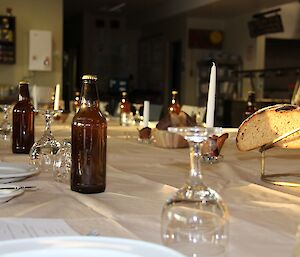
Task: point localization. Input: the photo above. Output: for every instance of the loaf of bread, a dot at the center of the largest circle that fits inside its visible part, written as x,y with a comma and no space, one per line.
267,124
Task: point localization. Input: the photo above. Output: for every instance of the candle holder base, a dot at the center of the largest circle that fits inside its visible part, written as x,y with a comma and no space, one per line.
290,179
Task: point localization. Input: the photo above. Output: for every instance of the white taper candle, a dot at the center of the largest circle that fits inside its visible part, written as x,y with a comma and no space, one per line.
34,97
210,112
56,99
146,113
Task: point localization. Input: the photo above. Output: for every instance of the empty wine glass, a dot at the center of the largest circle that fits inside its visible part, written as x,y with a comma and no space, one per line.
5,125
62,163
103,106
195,219
137,116
42,152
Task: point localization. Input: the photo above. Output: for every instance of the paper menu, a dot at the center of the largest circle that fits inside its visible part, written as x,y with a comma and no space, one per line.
17,228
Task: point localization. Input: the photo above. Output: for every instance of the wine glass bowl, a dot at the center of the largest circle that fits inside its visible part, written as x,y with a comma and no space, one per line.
103,106
195,220
42,152
62,163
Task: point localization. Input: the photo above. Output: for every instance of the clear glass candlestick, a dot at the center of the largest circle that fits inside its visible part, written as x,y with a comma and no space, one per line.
195,219
42,152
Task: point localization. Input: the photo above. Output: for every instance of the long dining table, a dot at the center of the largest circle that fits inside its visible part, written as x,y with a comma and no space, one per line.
140,178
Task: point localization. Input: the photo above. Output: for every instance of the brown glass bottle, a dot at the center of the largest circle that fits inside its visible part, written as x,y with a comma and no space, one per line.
251,106
125,108
23,122
89,132
174,106
76,103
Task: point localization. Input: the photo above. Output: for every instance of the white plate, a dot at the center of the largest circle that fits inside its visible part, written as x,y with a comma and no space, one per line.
7,194
10,172
83,246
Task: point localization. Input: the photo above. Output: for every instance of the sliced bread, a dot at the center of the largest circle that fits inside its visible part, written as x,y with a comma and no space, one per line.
267,124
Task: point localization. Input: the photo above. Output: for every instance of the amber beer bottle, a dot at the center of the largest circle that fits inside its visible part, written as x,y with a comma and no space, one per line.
174,106
23,121
124,110
251,105
76,103
89,130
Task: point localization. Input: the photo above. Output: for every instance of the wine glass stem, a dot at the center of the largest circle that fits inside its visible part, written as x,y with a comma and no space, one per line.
48,123
195,176
5,113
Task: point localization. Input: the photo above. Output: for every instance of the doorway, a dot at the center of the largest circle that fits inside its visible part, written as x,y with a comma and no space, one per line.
284,56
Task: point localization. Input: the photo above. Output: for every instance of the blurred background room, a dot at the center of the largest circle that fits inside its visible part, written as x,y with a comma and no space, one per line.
150,48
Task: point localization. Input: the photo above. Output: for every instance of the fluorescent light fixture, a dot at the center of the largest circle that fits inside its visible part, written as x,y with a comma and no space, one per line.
117,7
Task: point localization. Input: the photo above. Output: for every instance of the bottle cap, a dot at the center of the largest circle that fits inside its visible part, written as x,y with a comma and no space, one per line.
89,77
124,93
23,83
174,92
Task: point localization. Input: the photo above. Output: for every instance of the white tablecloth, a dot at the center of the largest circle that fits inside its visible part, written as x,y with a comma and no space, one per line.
140,177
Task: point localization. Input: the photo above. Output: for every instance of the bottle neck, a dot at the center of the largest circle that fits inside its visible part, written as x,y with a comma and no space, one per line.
24,92
173,101
251,99
174,106
89,94
125,105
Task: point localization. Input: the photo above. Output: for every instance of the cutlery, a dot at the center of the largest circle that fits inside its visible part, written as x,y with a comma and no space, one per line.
19,187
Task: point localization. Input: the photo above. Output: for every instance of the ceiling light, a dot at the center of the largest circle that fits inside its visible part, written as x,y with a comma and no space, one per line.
117,7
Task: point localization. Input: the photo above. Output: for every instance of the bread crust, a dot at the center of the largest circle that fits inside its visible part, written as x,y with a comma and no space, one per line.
267,124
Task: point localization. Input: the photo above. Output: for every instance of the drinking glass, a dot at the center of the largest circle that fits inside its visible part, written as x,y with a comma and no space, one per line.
62,163
42,152
137,117
195,219
103,106
5,125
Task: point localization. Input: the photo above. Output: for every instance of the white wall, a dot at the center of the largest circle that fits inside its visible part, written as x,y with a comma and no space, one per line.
252,50
40,15
290,14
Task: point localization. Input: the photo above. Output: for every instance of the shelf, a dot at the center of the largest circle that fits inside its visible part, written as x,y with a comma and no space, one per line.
220,63
8,47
